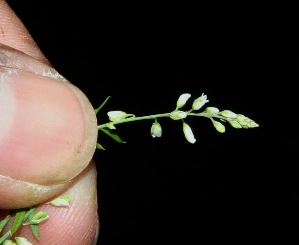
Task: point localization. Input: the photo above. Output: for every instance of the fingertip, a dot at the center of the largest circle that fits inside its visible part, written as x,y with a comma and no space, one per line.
49,130
77,223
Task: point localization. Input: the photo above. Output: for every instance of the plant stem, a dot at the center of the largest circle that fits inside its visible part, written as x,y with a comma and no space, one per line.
132,119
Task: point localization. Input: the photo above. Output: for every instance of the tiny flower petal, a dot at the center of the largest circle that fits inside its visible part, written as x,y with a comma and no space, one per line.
188,133
156,129
199,102
211,110
177,115
182,100
228,114
219,126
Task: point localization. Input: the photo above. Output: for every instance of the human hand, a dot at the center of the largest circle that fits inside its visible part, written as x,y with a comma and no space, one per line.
48,135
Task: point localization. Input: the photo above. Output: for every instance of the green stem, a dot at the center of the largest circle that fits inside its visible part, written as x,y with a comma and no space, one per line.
132,119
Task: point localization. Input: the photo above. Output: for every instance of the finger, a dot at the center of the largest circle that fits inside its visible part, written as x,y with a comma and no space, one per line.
48,128
13,33
77,224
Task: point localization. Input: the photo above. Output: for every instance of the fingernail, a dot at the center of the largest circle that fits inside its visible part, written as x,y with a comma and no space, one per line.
48,129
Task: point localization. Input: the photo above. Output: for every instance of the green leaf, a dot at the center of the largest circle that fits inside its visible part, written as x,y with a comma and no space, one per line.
30,213
112,135
18,220
3,238
4,222
35,232
101,106
100,147
34,228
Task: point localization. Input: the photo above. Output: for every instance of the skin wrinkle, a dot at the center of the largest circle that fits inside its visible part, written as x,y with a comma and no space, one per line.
17,35
19,192
12,58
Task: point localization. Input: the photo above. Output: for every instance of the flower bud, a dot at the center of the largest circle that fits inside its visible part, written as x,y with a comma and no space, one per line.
182,100
211,110
252,124
177,115
228,114
246,122
22,241
156,129
219,126
117,115
111,126
235,124
188,133
199,102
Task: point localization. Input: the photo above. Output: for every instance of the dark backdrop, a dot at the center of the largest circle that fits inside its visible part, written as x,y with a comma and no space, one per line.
232,186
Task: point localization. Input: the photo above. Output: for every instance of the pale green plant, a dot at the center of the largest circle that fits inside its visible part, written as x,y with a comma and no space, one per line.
31,217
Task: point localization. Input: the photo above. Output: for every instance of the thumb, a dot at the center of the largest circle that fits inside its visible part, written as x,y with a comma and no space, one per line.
48,129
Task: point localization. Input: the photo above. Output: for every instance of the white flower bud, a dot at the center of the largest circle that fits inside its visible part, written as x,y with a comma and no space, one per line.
188,133
182,100
117,115
252,124
22,241
177,115
219,126
246,122
235,124
211,110
156,129
199,102
228,114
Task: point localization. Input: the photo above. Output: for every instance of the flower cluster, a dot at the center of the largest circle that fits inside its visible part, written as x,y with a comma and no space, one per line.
235,120
216,116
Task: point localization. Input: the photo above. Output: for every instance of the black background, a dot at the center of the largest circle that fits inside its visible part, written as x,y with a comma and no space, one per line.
238,186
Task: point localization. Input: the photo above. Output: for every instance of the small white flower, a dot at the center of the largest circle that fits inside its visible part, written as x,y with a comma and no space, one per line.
182,100
199,102
116,115
156,129
177,115
188,133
